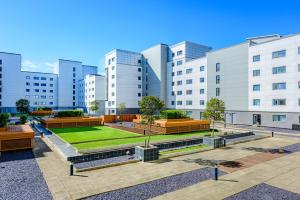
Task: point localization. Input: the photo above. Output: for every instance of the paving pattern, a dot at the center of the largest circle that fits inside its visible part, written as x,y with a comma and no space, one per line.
21,178
158,187
264,192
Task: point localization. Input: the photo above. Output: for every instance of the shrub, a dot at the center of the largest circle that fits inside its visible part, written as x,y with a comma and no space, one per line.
23,119
3,119
70,113
173,114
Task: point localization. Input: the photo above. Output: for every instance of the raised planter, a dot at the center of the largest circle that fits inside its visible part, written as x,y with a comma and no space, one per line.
214,142
146,154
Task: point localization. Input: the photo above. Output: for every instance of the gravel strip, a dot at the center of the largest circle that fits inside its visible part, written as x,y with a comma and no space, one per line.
102,162
264,192
21,178
158,187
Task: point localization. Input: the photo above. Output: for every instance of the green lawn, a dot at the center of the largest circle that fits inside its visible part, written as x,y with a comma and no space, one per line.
84,134
183,149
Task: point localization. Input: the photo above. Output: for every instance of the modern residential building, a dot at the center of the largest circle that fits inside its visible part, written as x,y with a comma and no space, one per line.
59,91
257,79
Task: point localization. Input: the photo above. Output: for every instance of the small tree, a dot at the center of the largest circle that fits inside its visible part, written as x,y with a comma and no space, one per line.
122,107
23,106
149,107
4,119
23,119
94,106
214,111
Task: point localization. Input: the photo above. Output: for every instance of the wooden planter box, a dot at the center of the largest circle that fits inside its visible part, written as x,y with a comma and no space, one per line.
114,118
146,154
214,142
41,112
68,122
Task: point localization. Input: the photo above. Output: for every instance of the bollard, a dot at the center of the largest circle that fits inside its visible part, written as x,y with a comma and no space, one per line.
272,133
144,132
71,169
42,134
224,142
216,173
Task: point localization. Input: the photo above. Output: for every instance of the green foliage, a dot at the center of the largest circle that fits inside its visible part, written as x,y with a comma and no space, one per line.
45,108
94,105
3,119
173,114
23,119
149,107
23,106
70,113
122,107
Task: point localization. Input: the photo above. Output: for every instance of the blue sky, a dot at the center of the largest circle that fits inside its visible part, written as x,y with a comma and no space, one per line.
46,30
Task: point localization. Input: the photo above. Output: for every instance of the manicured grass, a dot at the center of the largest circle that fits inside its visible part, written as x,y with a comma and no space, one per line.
183,149
82,134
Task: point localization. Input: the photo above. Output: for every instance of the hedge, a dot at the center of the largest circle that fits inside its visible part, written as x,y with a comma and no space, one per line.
4,119
173,114
45,108
70,113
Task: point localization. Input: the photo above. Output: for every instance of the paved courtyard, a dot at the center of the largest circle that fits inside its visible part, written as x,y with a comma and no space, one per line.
279,170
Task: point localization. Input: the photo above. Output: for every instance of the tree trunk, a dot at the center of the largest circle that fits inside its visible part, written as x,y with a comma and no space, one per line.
213,132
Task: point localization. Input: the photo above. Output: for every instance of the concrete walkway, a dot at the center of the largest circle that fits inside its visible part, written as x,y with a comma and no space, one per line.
84,184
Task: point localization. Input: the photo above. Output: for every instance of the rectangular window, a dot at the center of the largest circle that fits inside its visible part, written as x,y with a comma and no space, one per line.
74,69
43,84
173,64
298,67
50,97
112,59
51,91
37,90
256,72
173,74
189,71
0,62
139,78
44,91
298,50
51,79
27,96
173,54
51,85
256,102
27,77
36,84
139,86
278,54
43,78
27,90
202,68
139,69
218,67
74,74
35,96
279,86
51,103
189,92
112,94
179,103
202,91
279,70
217,92
189,81
27,83
112,76
299,84
43,97
256,58
189,103
112,67
179,53
139,94
179,92
202,102
179,82
298,102
179,73
179,62
201,80
256,87
278,102
172,103
173,83
217,79
36,78
173,93
279,118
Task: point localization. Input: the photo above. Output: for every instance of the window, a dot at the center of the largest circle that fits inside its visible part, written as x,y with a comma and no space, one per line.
256,87
299,102
43,78
112,76
27,90
36,84
0,69
256,58
36,78
299,84
189,113
51,103
202,80
179,73
112,59
51,79
43,96
189,81
27,77
139,61
279,70
35,96
173,74
179,103
139,94
51,85
279,118
179,92
112,94
139,69
179,62
201,102
27,83
173,54
202,68
172,103
173,83
173,64
217,92
202,91
44,91
189,102
37,90
74,69
50,97
139,78
218,67
217,79
112,67
51,91
256,72
0,62
279,102
278,54
298,67
139,86
279,86
179,53
188,71
172,93
179,82
256,102
27,96
74,74
189,92
298,50
43,84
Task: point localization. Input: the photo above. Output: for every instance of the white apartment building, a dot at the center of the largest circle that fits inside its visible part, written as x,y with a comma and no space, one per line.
90,91
257,79
59,91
